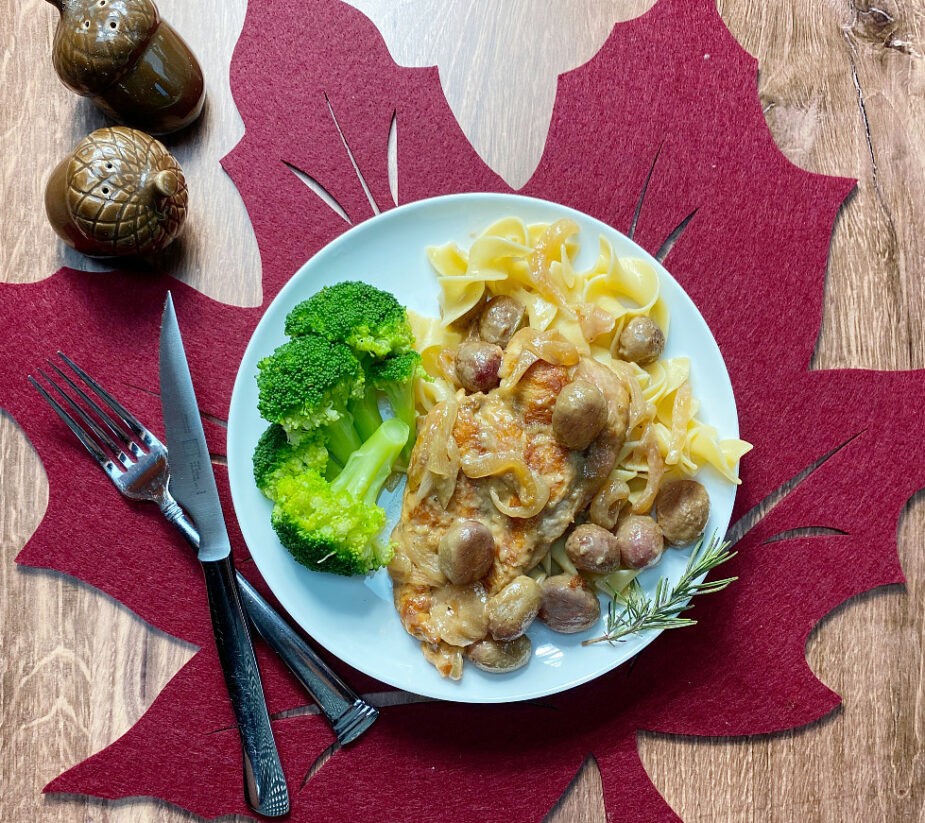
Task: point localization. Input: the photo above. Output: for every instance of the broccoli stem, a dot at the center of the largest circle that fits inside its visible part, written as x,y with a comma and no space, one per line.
366,417
341,438
332,469
401,397
370,465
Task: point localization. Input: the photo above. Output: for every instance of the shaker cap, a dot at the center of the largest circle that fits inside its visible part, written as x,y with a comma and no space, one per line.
97,41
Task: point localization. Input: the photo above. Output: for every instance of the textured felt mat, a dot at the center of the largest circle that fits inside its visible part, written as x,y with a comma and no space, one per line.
668,108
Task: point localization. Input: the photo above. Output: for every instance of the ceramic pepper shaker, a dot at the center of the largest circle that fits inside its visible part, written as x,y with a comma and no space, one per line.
119,192
129,62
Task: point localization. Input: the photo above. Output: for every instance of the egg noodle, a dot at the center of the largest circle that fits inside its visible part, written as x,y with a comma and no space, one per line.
534,264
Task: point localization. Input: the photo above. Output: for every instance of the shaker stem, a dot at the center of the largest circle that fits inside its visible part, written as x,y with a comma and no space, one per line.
166,183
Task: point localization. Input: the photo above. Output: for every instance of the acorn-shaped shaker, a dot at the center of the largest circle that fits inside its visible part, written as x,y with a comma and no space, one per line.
129,62
120,192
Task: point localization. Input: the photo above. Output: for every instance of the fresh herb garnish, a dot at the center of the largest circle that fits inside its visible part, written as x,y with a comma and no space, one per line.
633,612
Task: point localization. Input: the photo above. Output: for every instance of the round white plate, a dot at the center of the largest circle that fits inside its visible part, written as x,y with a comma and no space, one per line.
354,617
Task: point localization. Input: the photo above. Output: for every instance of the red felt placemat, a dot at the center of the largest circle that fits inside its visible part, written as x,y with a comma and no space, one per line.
669,107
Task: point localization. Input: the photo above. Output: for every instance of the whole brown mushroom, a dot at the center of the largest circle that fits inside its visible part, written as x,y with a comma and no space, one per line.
501,317
466,552
579,414
569,605
593,549
683,508
641,341
640,540
514,608
497,657
477,365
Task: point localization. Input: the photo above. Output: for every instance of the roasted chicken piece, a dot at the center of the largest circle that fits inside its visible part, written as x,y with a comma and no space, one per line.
493,458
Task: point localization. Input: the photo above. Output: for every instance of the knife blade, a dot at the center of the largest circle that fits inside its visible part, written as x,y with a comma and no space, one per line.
192,481
192,484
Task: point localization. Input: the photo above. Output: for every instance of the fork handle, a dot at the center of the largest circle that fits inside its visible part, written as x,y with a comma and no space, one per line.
348,714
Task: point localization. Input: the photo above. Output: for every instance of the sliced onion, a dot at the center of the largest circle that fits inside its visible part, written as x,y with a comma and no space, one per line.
528,346
640,410
435,461
538,262
533,490
607,503
594,321
656,470
681,414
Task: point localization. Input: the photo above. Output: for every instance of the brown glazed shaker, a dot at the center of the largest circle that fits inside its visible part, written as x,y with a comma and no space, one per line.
118,193
129,62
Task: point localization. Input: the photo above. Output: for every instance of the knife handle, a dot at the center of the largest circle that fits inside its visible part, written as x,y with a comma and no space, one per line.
348,714
264,782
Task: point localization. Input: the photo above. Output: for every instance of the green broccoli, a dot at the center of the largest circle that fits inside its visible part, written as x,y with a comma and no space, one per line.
334,526
365,411
395,376
306,385
367,319
275,457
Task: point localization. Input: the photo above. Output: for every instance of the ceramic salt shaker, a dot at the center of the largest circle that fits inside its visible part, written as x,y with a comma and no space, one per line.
130,63
120,192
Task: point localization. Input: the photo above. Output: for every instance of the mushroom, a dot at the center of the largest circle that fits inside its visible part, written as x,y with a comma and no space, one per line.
569,605
501,317
640,540
477,365
593,549
579,414
497,657
466,552
641,341
514,608
683,508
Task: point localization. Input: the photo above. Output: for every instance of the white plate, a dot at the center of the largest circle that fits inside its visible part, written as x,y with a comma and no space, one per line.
354,617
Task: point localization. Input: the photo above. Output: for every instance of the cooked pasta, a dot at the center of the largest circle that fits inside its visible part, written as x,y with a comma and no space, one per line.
535,265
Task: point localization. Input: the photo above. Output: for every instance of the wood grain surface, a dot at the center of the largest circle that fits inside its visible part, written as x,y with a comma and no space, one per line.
843,88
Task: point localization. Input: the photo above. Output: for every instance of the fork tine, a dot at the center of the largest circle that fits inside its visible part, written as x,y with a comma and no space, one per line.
89,443
90,422
111,424
123,413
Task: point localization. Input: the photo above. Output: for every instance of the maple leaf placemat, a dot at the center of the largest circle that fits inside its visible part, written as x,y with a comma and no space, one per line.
660,135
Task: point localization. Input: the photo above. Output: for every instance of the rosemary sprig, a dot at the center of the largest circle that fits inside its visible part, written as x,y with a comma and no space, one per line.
634,612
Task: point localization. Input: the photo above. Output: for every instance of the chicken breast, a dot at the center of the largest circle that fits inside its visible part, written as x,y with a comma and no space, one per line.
478,433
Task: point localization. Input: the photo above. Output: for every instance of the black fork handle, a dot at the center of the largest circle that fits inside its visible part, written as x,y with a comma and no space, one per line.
348,714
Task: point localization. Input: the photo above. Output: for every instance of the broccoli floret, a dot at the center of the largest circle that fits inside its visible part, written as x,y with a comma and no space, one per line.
306,384
275,457
334,526
395,376
365,318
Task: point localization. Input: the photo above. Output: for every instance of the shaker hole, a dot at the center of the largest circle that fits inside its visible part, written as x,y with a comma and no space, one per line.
86,24
112,25
109,165
105,190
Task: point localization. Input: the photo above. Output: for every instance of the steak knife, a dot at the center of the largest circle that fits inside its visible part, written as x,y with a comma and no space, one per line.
192,484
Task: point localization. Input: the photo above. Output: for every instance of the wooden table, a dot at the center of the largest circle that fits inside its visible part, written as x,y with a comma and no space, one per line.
843,89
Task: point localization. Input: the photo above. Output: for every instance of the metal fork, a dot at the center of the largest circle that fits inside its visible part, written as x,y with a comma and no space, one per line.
143,474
